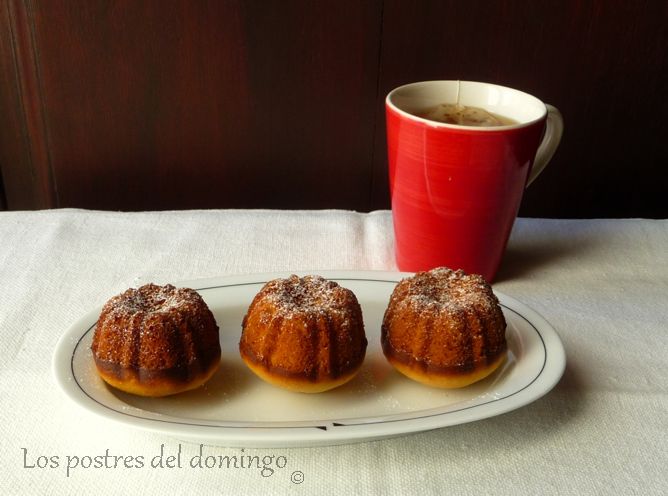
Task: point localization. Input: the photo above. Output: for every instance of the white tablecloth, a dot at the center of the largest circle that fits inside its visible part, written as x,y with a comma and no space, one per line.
603,284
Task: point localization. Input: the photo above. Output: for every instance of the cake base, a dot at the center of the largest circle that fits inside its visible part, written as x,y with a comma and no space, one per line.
160,384
452,380
297,384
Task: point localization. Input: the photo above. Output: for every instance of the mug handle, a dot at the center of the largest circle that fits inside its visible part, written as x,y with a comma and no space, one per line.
554,128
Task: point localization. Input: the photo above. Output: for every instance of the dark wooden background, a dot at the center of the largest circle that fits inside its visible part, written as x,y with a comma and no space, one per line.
279,103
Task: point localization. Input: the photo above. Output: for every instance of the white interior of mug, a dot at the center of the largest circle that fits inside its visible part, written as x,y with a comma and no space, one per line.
419,97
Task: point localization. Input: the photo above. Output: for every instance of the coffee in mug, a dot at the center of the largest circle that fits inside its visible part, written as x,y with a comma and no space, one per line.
464,115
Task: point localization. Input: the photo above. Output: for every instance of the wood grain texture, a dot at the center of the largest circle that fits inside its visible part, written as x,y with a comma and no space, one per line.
145,105
24,152
3,201
279,104
152,105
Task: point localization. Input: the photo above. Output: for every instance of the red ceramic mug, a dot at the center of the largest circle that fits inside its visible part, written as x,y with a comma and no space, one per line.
456,189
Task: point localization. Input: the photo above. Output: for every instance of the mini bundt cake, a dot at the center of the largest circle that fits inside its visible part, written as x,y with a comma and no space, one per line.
444,328
304,334
156,341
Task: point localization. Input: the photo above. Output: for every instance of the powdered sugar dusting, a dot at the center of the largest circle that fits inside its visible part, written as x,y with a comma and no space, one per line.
308,295
151,298
444,290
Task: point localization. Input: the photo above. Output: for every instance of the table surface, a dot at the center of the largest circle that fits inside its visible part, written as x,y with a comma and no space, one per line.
602,284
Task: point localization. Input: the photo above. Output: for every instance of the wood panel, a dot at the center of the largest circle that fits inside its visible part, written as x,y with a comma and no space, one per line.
153,104
603,63
26,173
3,202
182,104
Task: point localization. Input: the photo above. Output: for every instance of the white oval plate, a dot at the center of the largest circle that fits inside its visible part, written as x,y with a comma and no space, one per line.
235,408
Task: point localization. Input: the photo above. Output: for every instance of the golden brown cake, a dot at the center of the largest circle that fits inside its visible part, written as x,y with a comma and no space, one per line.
156,341
304,334
444,328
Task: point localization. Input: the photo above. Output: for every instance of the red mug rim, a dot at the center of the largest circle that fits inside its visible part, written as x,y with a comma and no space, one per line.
391,105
